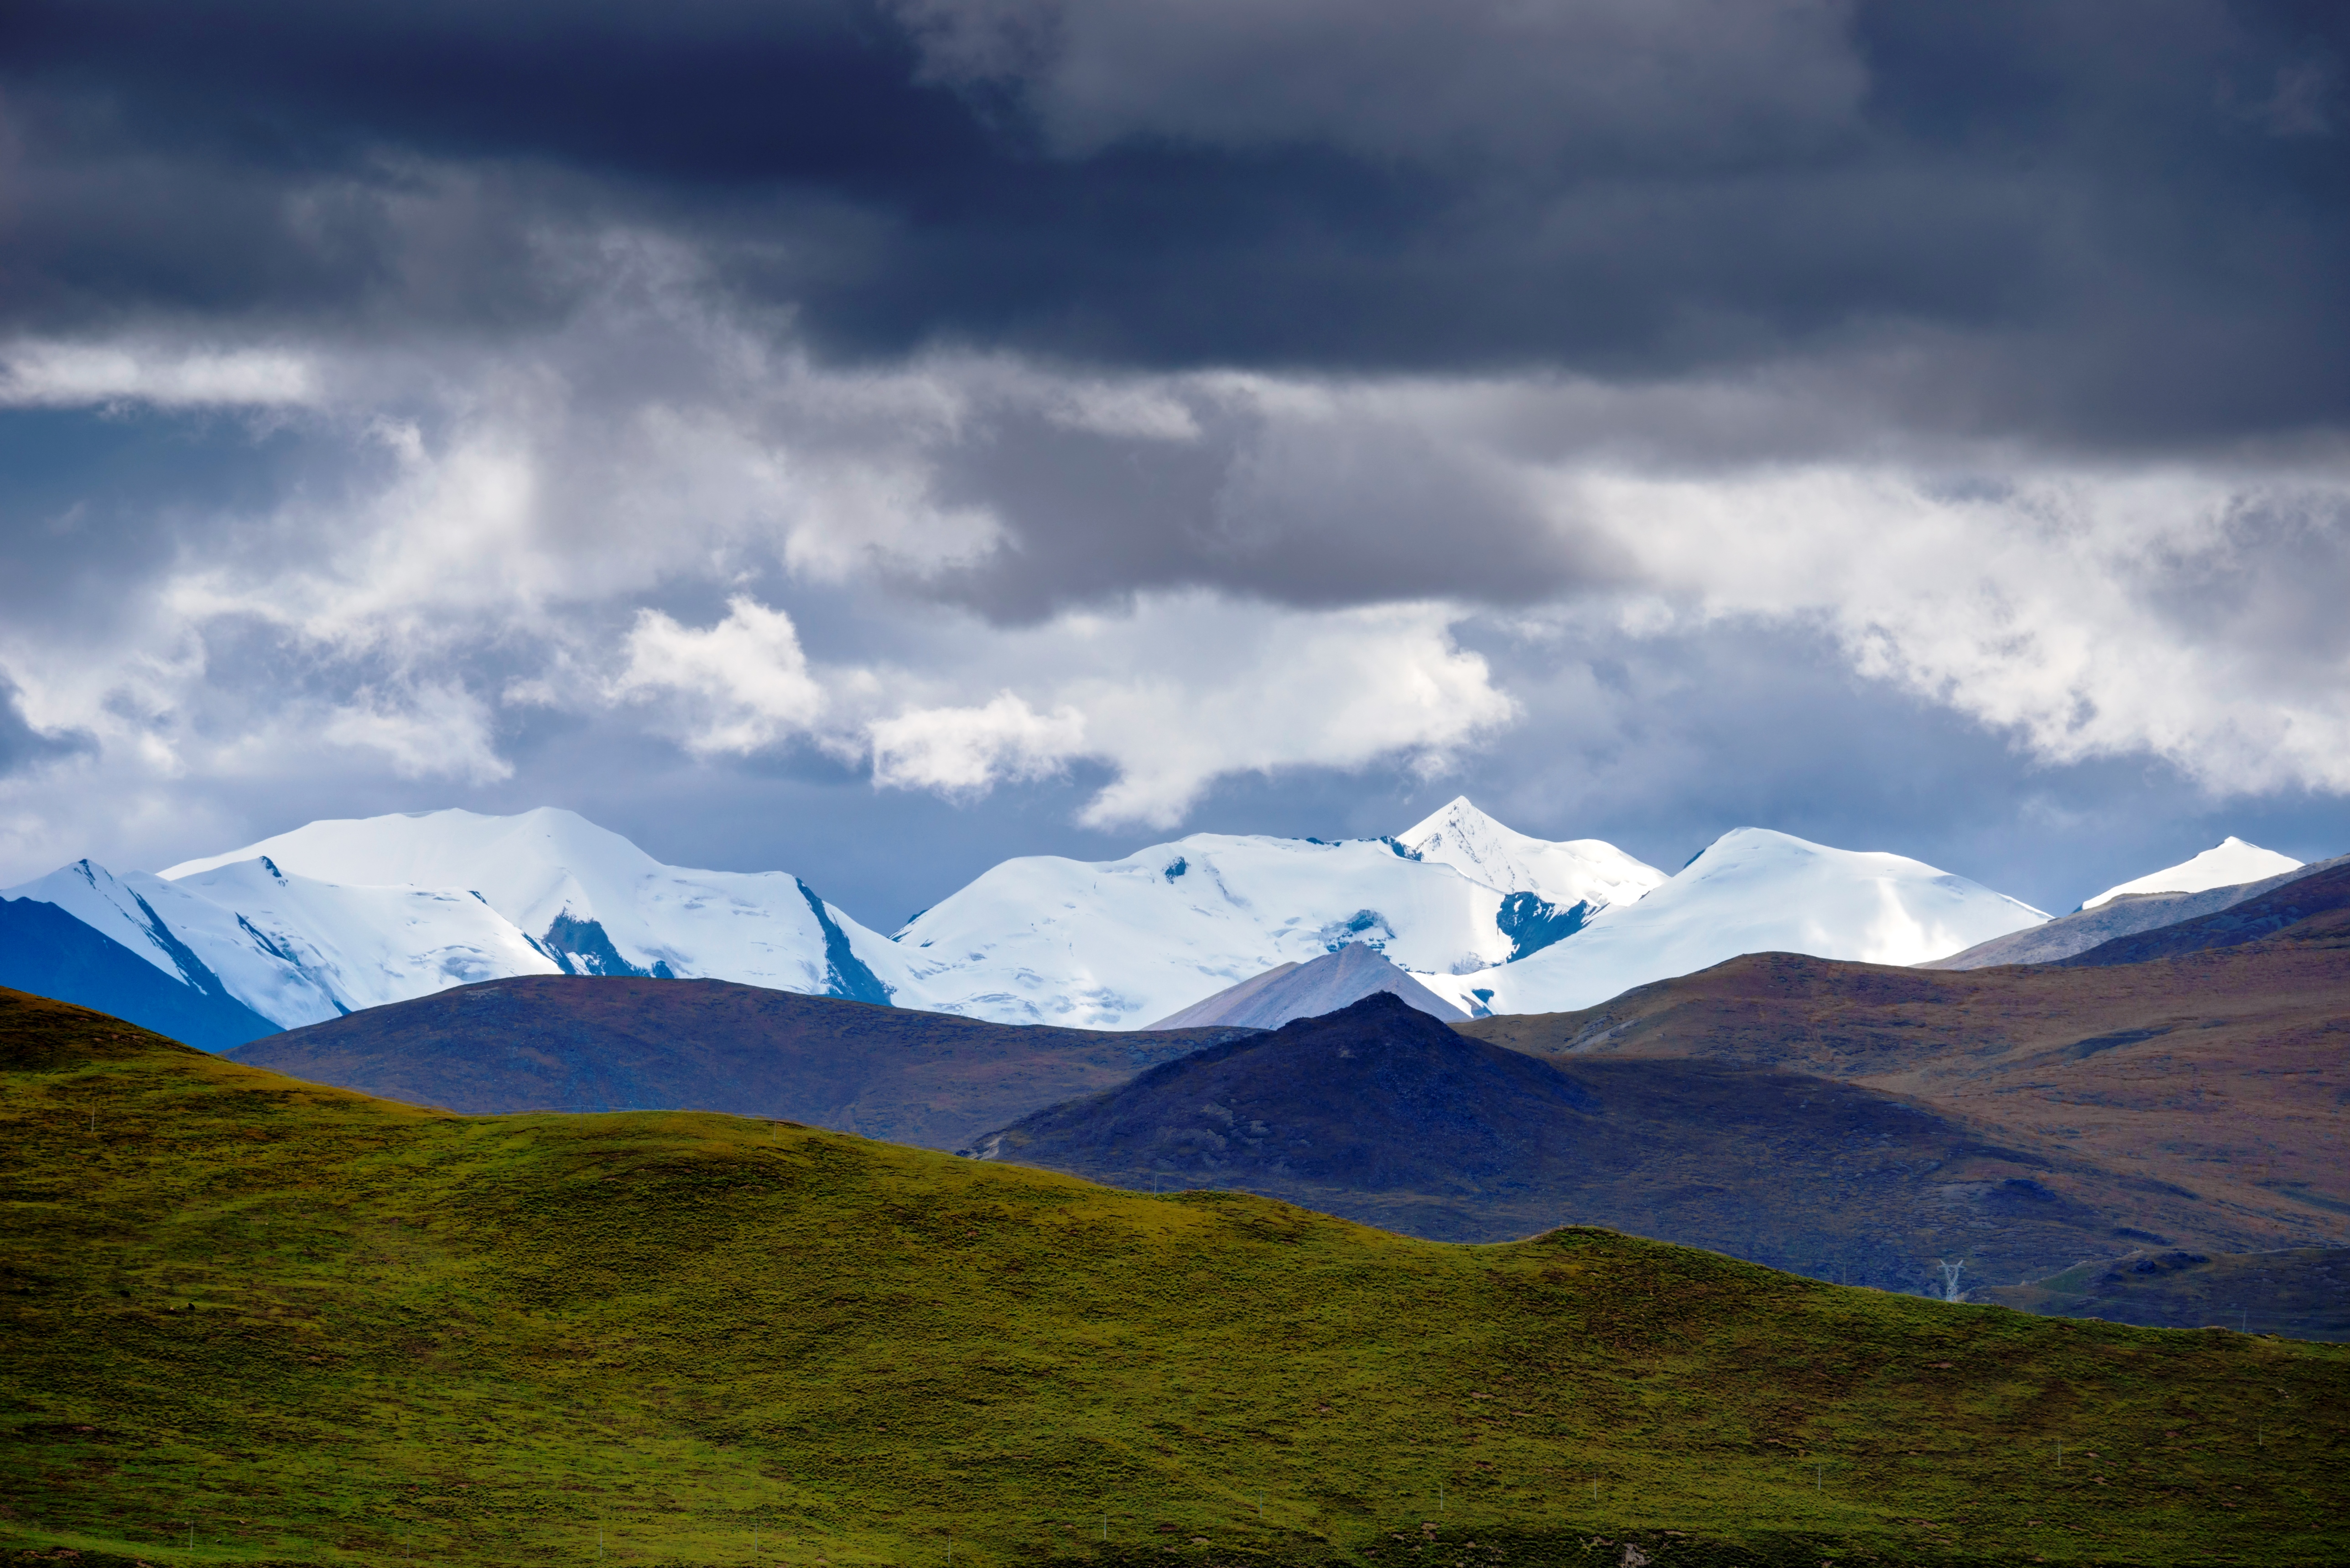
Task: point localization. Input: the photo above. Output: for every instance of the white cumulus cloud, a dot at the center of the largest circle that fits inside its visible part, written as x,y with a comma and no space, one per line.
1188,689
740,686
962,751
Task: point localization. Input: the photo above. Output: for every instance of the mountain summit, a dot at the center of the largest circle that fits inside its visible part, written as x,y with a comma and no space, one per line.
2226,864
1587,871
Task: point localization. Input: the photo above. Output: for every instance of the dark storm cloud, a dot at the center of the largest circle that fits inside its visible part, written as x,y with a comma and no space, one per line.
1305,513
2116,223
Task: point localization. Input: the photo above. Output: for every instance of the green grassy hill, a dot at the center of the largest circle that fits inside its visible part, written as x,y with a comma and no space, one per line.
326,1328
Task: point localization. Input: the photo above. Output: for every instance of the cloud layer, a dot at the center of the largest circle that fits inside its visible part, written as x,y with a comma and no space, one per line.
1135,407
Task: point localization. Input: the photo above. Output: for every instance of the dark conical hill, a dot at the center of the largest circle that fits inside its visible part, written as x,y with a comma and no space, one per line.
1383,1115
1378,1095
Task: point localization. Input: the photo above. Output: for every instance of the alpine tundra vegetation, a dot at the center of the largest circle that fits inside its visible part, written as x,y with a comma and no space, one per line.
251,1319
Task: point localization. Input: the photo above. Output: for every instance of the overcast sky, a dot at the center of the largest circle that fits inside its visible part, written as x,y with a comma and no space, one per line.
870,440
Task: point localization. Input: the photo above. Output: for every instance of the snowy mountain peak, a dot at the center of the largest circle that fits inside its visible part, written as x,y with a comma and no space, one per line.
1752,891
1115,943
2224,864
350,913
1587,871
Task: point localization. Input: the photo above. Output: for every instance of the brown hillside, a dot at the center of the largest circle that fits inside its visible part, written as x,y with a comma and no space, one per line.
2221,1076
595,1042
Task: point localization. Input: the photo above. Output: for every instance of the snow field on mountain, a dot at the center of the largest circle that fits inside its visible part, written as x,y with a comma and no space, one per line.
1115,944
2224,864
293,949
367,945
1752,891
757,928
342,915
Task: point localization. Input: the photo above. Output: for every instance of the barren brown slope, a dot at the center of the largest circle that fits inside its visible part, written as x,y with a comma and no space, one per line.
2221,1075
597,1043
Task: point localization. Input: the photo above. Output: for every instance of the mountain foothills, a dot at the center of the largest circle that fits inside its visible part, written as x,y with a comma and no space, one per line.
341,915
1857,1123
566,1043
1382,1114
2209,1080
248,1320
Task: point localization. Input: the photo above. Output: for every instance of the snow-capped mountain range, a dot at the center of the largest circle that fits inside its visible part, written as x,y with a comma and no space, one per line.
342,915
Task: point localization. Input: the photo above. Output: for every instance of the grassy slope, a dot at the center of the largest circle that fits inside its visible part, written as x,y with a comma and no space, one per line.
329,1328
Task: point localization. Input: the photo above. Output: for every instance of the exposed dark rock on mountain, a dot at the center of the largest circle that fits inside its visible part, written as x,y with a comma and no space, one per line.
586,1042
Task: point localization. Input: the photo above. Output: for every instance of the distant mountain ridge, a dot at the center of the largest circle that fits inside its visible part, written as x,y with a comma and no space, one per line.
339,915
1752,890
48,952
2295,901
2124,916
1113,944
2229,863
565,1043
